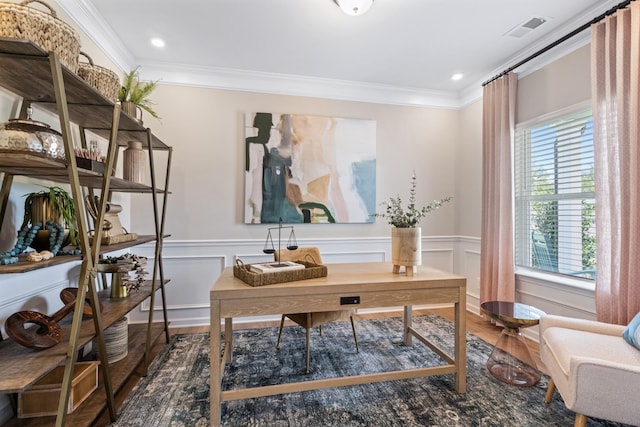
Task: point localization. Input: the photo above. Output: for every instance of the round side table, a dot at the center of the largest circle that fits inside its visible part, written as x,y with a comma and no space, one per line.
511,361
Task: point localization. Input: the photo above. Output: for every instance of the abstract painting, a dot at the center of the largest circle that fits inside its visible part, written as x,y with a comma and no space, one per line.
309,169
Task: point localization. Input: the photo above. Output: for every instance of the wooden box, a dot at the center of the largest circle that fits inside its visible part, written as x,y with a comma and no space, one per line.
89,164
41,399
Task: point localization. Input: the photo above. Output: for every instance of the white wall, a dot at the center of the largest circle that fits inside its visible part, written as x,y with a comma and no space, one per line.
205,216
560,84
205,127
194,265
468,158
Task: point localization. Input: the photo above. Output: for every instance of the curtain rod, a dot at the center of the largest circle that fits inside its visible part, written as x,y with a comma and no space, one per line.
561,40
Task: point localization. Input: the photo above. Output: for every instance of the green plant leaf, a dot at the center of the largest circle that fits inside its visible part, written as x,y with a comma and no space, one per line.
396,214
60,201
133,90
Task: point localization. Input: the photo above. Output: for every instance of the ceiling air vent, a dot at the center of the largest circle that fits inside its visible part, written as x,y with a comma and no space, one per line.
526,27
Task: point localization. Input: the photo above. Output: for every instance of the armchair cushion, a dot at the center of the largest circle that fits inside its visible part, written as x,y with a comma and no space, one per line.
631,333
594,369
566,346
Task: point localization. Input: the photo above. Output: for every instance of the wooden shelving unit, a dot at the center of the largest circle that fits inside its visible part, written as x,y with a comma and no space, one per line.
38,165
24,266
91,408
41,81
15,378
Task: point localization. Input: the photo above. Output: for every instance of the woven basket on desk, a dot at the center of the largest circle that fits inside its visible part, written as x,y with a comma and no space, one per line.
19,21
100,78
311,271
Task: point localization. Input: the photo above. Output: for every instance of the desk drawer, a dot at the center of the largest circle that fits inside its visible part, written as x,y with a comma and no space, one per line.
306,303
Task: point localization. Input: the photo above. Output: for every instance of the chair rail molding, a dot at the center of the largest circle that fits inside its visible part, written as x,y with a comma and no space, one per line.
194,265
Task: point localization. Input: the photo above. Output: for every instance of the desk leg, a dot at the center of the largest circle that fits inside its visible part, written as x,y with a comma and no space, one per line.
215,360
461,342
228,338
408,322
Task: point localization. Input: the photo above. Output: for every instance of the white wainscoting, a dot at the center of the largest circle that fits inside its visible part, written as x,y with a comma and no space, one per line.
194,266
555,295
468,265
38,290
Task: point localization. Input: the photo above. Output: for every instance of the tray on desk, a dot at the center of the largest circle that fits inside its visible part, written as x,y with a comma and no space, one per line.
310,271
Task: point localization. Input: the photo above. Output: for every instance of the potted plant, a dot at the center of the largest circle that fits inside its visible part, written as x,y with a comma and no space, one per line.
134,94
52,204
406,235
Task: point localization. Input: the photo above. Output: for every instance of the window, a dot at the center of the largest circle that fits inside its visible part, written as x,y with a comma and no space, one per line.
555,194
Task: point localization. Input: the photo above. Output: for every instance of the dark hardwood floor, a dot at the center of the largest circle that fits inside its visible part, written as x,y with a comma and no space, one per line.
475,325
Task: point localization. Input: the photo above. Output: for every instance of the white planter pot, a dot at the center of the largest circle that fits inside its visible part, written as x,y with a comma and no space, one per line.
406,248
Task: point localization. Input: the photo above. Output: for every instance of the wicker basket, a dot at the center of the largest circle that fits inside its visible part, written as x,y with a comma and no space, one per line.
18,21
311,271
101,79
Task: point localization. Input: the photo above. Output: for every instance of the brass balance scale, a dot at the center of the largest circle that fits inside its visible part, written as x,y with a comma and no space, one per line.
269,248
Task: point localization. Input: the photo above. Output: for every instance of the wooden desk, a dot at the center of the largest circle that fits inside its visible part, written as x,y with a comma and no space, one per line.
373,284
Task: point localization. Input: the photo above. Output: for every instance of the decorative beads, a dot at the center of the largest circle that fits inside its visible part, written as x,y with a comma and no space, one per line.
56,236
6,260
26,235
70,252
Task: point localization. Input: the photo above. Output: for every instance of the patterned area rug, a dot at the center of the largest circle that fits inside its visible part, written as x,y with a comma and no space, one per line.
176,391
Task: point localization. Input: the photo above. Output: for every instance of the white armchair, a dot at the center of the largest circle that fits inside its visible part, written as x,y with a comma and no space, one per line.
595,370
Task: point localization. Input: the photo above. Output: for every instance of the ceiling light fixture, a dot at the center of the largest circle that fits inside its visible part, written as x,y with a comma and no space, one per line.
354,7
457,76
157,42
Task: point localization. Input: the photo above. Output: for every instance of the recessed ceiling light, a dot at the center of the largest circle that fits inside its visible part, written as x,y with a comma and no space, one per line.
157,42
457,76
354,7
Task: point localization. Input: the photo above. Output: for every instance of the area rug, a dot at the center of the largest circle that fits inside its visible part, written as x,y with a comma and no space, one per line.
176,390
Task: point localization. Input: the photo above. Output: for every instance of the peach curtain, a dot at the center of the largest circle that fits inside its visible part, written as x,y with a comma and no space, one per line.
497,272
615,73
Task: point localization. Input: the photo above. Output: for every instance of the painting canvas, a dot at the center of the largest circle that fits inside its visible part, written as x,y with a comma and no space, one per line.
309,169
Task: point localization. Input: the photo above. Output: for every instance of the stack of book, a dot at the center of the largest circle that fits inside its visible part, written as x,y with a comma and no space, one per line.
276,267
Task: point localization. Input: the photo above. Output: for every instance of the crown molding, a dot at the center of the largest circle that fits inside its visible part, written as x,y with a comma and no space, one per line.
295,85
88,19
